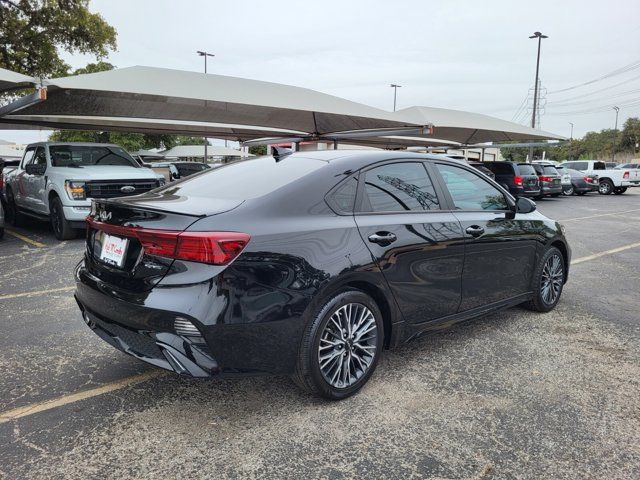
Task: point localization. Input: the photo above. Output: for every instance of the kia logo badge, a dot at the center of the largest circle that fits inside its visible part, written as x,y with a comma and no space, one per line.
128,189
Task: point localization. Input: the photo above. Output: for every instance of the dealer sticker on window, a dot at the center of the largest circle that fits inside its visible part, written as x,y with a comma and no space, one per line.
113,249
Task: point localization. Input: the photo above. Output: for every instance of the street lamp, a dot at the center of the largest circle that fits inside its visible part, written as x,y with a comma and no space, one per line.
395,94
205,55
539,36
571,137
615,135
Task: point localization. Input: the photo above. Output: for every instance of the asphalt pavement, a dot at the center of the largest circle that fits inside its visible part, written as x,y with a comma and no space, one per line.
511,395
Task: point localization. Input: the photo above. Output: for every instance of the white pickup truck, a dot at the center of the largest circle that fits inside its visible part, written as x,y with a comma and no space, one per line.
611,180
58,180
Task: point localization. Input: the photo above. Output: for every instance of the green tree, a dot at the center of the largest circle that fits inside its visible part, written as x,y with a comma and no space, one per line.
34,32
630,136
258,150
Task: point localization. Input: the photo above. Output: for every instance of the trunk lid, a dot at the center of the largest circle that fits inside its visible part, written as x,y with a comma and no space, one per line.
129,267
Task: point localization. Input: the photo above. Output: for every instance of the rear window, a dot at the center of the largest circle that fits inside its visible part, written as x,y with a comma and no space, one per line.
246,179
550,170
526,169
599,166
577,165
501,168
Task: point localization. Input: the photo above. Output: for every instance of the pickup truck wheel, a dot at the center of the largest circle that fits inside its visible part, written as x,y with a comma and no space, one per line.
61,226
548,281
14,217
619,190
606,187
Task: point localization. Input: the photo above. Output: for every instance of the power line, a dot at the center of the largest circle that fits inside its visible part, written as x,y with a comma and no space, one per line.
619,71
588,94
592,100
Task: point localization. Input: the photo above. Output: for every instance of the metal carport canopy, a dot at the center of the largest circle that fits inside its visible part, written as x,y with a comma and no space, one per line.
158,100
11,80
470,128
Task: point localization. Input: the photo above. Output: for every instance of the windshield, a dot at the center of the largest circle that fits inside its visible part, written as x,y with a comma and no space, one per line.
86,155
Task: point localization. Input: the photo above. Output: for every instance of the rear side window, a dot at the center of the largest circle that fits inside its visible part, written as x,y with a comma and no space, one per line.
501,168
599,166
578,165
469,191
343,198
246,179
398,187
526,169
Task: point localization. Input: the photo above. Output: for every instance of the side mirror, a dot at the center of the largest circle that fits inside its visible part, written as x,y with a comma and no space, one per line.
525,205
35,168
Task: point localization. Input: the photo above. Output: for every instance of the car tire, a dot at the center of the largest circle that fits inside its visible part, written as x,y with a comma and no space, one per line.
606,187
12,215
619,190
61,226
568,191
548,281
348,364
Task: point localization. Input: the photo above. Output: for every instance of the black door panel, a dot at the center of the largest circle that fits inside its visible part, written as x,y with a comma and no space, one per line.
423,266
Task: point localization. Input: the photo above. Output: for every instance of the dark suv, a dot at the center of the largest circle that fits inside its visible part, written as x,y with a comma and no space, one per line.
549,178
520,179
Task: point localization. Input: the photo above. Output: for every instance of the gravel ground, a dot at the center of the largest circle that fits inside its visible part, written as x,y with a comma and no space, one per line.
512,395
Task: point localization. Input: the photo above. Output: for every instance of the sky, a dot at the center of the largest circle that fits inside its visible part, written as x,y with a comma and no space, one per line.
466,55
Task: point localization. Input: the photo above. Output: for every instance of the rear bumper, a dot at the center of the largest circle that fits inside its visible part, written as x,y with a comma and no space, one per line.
551,190
141,325
528,192
626,183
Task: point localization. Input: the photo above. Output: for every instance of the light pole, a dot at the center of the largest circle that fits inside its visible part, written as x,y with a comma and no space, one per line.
395,94
615,135
539,36
571,137
205,55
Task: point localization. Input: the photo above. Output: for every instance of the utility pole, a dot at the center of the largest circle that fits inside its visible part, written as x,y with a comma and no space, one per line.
206,140
539,36
395,94
615,135
571,137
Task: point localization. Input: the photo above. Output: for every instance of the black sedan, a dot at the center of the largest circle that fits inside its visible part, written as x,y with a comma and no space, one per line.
310,264
581,183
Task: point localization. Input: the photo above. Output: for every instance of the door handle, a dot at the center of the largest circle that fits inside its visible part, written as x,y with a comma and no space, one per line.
383,238
475,230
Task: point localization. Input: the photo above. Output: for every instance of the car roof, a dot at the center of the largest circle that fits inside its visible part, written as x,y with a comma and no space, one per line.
78,144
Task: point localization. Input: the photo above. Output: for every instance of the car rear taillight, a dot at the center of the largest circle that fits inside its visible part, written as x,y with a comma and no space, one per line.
518,180
587,179
626,175
545,179
1,181
214,248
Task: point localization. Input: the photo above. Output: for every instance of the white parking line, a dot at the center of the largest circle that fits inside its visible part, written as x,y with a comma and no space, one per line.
606,252
599,215
38,292
76,397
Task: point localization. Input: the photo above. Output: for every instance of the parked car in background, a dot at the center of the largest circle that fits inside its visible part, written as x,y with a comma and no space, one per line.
633,166
611,180
56,182
177,170
549,178
519,179
581,182
310,264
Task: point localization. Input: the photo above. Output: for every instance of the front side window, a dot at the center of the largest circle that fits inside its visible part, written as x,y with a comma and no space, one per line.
40,157
471,192
398,187
28,156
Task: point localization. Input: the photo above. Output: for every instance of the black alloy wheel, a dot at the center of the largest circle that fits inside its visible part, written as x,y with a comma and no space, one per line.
548,281
341,346
60,225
